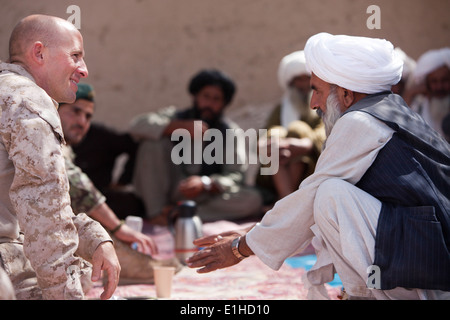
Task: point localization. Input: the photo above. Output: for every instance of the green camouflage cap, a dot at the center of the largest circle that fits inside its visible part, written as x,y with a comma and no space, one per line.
85,91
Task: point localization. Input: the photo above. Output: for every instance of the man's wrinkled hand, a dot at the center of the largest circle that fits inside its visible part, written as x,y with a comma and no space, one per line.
216,255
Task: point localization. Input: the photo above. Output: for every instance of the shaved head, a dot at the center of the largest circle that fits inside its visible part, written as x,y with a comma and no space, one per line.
42,28
51,50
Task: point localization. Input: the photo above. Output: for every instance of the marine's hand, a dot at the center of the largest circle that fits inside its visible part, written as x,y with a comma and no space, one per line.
105,258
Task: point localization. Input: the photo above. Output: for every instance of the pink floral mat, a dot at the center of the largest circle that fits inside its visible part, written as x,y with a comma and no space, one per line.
249,280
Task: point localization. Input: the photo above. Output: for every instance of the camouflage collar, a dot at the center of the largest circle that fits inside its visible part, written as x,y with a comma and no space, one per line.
18,69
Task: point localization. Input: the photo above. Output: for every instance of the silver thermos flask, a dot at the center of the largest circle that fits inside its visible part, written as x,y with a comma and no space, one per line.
186,226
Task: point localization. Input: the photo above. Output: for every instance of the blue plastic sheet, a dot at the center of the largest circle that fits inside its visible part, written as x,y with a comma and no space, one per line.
306,262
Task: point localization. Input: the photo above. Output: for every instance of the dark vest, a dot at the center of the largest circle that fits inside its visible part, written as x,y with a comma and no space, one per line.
411,177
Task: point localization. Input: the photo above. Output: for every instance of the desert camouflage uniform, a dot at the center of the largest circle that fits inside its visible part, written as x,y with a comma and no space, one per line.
41,240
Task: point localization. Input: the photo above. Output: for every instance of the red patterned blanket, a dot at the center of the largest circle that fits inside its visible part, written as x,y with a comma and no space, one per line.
248,280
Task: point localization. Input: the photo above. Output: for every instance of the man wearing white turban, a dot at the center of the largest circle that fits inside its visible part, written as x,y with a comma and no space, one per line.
377,206
430,93
298,128
293,78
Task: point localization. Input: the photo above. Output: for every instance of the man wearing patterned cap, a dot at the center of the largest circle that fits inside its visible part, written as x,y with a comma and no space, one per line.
377,206
218,188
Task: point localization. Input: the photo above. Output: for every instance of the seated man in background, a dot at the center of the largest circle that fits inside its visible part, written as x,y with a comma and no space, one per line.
99,154
218,189
85,197
429,95
300,129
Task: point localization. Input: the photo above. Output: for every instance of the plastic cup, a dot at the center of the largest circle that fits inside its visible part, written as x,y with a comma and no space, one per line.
135,223
163,281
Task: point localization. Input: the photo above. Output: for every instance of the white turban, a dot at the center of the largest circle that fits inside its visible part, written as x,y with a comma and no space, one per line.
360,64
430,61
291,66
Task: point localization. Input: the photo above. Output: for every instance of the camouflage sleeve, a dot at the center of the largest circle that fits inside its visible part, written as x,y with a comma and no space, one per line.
40,195
84,196
91,234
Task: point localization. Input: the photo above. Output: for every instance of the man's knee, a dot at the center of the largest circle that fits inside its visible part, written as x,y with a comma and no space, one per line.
337,199
327,196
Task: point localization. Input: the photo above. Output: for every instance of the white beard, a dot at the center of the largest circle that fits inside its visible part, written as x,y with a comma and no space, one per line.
333,112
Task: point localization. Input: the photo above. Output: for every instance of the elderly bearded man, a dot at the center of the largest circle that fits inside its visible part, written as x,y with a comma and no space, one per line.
378,199
430,92
299,129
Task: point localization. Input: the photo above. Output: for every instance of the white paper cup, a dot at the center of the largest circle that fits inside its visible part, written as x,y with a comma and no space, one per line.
163,281
135,223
